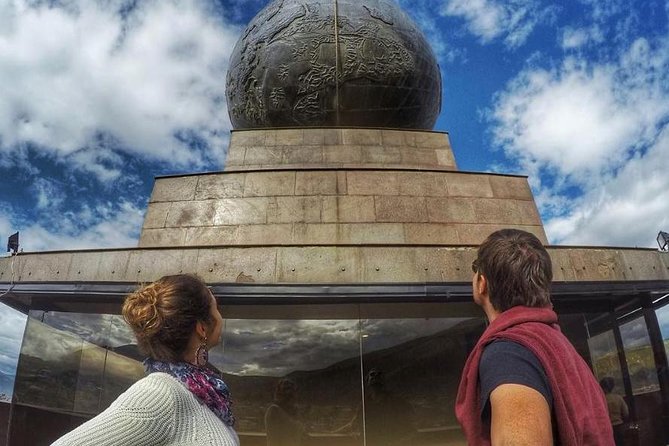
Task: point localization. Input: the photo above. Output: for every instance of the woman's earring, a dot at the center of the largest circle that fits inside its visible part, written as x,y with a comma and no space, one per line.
202,354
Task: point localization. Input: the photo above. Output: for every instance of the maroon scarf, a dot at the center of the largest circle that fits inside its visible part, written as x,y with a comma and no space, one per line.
578,402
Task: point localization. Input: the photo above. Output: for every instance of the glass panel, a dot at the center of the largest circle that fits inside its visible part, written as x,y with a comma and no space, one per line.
62,362
292,381
606,362
639,356
412,371
13,323
123,365
663,320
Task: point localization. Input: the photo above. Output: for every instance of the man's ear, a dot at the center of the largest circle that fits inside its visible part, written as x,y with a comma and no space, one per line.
482,285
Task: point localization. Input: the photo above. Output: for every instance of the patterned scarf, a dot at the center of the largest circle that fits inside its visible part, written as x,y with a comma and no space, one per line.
205,384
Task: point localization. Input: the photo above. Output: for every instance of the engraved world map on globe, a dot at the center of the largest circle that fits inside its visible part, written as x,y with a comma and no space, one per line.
349,63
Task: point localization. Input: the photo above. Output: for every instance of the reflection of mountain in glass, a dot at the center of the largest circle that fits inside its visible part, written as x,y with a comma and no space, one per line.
425,371
59,370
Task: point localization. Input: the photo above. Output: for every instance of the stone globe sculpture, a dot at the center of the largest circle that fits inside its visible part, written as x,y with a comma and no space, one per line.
344,63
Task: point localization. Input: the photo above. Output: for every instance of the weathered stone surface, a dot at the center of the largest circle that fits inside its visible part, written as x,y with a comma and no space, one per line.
232,264
433,140
294,210
269,184
223,185
324,264
156,215
418,157
368,233
451,210
431,233
248,138
423,184
274,234
259,156
302,155
469,185
355,209
400,209
380,155
339,155
174,189
286,137
191,213
316,183
320,264
445,158
372,183
239,211
510,187
362,137
211,235
314,234
163,237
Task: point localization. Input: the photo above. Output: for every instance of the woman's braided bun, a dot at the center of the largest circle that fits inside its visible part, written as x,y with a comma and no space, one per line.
163,314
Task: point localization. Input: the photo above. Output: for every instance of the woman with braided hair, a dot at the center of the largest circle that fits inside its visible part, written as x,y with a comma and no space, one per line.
181,401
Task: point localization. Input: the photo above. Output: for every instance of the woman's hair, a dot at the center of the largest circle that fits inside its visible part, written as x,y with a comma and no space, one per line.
163,314
518,269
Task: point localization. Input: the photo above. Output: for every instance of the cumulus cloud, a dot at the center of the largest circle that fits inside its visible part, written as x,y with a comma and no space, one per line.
597,130
147,78
513,21
105,226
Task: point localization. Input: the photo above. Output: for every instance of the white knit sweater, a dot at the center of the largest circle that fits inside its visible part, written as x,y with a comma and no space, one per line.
156,410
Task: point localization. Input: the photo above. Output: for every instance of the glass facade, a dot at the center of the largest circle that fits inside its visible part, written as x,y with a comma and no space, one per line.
328,374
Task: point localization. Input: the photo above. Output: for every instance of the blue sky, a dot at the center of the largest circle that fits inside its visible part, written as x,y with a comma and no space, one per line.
98,96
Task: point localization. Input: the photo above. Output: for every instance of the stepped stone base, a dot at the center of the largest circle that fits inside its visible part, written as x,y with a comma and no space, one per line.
312,200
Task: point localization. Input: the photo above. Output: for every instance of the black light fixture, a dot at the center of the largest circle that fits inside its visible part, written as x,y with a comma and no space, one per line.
663,241
13,243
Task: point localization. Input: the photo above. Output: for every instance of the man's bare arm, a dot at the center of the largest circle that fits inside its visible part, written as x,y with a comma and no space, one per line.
519,416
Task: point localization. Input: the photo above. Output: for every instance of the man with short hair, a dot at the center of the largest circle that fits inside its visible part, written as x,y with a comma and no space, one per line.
524,383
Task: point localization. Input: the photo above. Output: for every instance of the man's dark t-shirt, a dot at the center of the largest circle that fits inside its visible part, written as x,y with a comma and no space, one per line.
507,362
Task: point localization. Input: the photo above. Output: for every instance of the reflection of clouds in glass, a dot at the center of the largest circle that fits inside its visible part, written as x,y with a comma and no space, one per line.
108,330
13,323
634,333
278,347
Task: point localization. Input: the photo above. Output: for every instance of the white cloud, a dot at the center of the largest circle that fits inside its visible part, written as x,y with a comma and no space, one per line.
77,71
105,226
596,128
574,38
491,19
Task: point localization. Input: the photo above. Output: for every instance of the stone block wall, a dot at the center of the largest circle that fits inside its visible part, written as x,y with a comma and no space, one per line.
315,147
336,207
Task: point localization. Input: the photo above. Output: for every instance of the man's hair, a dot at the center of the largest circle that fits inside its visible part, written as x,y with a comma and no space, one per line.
517,268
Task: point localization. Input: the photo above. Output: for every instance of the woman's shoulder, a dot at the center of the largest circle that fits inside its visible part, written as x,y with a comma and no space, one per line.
156,392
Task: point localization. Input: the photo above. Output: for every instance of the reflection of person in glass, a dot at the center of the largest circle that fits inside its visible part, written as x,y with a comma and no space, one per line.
388,417
181,401
283,427
618,411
